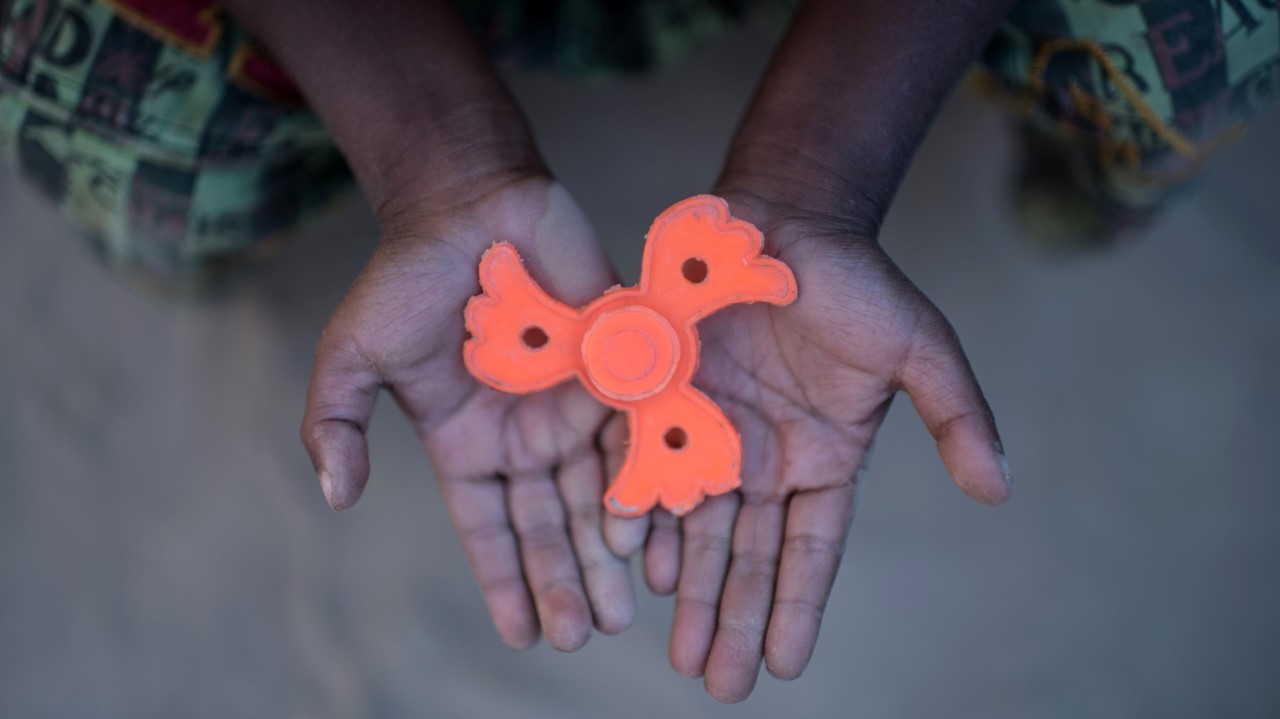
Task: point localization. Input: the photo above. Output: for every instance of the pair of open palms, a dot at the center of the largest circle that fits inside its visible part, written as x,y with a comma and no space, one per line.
806,385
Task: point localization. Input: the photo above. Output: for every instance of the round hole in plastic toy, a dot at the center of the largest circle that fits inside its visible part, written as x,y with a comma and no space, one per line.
535,338
694,270
676,438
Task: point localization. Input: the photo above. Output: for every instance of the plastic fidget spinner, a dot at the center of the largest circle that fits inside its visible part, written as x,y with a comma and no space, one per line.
636,348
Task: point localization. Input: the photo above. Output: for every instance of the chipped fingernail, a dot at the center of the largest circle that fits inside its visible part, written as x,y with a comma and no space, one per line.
621,508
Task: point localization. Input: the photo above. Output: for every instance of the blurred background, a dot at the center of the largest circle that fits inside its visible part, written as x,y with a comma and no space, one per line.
164,550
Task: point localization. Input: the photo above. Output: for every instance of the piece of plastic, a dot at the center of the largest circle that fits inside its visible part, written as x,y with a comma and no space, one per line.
636,348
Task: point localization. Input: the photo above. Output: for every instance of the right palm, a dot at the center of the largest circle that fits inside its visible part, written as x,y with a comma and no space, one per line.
522,476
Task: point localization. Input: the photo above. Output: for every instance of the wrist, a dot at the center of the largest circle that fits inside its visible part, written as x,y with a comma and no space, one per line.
848,96
404,89
447,159
784,181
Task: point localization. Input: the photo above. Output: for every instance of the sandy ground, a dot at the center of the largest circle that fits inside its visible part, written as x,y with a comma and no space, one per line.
164,551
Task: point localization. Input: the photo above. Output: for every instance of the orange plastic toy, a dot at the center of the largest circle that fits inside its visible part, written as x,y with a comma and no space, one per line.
636,348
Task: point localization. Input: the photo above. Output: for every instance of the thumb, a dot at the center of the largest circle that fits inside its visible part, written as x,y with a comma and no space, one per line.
945,392
340,400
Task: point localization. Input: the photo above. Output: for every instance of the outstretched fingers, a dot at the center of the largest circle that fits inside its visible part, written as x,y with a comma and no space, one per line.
606,576
706,541
817,527
662,553
340,400
945,392
550,565
736,654
478,509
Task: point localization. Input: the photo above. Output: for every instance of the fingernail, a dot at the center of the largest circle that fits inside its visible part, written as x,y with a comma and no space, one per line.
1004,467
326,486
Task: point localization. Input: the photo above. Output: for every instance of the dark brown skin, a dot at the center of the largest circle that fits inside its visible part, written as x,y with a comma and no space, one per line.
815,164
449,163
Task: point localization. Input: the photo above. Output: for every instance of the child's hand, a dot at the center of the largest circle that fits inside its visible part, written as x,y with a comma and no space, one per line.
447,159
815,163
807,386
521,475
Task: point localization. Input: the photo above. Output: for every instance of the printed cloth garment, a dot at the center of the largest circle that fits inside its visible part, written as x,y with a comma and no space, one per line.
1152,88
178,148
158,130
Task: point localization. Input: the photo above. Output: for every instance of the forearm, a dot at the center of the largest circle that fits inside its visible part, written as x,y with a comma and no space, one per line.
847,97
403,87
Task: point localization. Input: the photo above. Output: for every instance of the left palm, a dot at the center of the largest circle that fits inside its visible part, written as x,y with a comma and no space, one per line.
807,386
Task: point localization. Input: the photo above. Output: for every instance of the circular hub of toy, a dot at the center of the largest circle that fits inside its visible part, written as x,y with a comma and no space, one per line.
630,353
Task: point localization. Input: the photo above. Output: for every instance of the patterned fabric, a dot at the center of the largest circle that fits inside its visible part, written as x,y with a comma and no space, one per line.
177,147
173,151
1152,87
